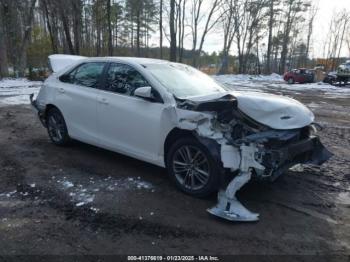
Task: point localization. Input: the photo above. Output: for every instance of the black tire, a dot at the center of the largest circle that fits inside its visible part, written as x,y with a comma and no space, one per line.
57,128
212,181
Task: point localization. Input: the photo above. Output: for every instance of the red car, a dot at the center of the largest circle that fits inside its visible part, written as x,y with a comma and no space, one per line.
301,76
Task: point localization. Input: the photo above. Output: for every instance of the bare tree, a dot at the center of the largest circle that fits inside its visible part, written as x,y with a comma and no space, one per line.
109,22
248,18
335,39
271,14
312,14
172,26
3,48
181,14
62,7
227,12
294,8
198,15
22,55
161,29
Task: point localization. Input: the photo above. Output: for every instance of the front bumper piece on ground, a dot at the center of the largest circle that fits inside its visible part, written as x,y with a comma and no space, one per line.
308,151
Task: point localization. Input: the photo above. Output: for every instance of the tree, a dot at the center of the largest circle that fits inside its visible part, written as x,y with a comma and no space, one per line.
172,31
197,16
294,8
271,14
229,33
249,19
109,23
3,48
27,9
312,15
161,29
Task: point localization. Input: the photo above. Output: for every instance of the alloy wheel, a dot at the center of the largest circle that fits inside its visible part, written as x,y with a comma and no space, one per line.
55,128
191,167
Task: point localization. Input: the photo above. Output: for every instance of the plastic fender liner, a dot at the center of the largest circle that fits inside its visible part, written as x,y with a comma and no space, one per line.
215,149
320,153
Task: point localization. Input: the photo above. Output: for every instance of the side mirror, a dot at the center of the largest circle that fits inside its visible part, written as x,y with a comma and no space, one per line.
64,78
144,92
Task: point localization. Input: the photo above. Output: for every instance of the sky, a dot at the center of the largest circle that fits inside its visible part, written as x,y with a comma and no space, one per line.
322,20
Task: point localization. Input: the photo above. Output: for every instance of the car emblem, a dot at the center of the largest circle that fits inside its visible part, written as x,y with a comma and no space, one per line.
286,117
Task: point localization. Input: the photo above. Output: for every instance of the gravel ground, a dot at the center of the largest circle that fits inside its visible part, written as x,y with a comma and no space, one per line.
82,200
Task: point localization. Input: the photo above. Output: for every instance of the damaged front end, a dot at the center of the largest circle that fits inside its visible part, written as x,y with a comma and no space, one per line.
248,148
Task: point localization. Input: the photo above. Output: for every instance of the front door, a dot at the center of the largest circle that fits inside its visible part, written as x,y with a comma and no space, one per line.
128,124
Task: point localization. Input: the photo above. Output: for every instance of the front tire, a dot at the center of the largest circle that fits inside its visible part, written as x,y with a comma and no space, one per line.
192,168
57,128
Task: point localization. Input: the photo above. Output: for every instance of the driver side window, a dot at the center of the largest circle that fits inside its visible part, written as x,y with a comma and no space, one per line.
123,79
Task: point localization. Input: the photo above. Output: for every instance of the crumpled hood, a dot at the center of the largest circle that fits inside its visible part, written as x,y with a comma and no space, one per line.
277,112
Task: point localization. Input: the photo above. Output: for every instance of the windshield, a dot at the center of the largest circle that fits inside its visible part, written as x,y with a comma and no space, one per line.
184,81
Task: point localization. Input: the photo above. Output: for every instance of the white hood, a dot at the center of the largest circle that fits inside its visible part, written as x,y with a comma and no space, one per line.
59,62
277,112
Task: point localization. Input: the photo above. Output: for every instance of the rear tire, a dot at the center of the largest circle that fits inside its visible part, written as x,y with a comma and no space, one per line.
57,128
192,167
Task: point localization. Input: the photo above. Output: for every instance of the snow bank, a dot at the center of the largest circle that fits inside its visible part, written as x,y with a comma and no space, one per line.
275,82
18,83
17,91
249,78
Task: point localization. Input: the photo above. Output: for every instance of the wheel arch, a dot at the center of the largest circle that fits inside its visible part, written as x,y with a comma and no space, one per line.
172,136
47,109
176,133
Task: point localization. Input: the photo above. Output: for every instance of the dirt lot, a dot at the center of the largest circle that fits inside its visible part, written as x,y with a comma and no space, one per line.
84,200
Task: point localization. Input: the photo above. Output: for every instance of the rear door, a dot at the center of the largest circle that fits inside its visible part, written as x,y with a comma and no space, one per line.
129,124
76,97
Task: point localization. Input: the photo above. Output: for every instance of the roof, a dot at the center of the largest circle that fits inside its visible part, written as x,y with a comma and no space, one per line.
134,60
59,61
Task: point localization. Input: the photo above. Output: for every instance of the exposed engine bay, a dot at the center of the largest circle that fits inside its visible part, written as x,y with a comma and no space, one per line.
250,148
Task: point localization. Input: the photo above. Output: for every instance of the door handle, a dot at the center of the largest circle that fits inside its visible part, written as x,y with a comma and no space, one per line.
103,101
61,90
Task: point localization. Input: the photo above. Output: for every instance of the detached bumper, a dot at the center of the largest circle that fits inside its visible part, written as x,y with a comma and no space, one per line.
307,151
40,110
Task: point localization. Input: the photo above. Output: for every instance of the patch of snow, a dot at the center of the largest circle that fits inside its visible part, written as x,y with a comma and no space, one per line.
142,184
275,83
17,91
84,193
313,105
67,184
96,210
18,83
9,194
344,198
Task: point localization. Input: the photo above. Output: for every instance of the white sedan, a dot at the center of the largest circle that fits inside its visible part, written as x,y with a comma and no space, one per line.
174,116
